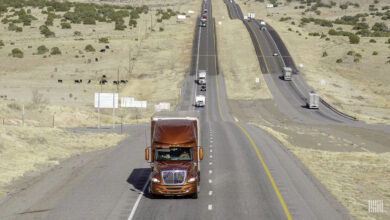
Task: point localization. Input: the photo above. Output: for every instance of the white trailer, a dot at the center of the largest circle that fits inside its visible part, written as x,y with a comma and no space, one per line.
263,25
251,16
202,77
287,73
200,101
314,100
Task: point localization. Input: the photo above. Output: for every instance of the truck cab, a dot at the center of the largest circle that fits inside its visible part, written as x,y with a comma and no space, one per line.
175,154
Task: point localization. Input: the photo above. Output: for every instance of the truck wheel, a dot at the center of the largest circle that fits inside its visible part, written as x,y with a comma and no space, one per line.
194,196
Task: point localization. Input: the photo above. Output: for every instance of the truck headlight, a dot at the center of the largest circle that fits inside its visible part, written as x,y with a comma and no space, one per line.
191,180
155,180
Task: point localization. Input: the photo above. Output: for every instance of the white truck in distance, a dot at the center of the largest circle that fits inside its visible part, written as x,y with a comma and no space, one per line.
314,100
200,101
287,73
263,25
202,77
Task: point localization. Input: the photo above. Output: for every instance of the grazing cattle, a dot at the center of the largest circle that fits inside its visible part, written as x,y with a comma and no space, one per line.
107,47
76,81
96,59
103,50
102,82
60,81
123,81
104,76
89,81
115,82
81,80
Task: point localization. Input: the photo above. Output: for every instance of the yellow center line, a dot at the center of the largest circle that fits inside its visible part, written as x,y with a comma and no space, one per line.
268,173
272,79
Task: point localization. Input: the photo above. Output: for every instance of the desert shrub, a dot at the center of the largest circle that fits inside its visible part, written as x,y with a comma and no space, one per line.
42,49
77,33
358,55
16,52
354,39
289,29
360,26
351,53
382,27
372,41
66,25
343,6
285,18
120,27
161,29
46,31
339,60
89,48
356,60
375,53
388,41
55,51
324,54
314,34
103,40
19,29
2,43
132,23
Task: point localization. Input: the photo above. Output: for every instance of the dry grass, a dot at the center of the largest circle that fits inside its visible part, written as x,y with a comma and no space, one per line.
237,58
352,177
158,63
23,149
361,89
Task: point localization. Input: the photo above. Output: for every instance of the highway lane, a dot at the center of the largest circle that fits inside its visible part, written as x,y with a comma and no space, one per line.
246,174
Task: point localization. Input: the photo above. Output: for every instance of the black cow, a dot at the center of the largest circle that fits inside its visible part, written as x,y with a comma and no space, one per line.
103,50
107,47
104,76
89,81
60,81
102,82
76,81
96,59
124,81
115,82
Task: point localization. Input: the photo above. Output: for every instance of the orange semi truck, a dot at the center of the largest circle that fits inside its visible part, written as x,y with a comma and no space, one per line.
175,154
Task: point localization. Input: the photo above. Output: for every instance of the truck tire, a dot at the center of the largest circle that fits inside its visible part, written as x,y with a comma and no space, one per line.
194,196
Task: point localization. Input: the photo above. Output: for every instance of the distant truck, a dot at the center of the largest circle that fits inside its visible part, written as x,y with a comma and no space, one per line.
175,154
263,25
204,16
203,22
200,101
314,100
287,73
202,77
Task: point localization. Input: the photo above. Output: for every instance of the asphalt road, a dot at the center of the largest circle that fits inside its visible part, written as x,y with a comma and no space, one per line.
246,174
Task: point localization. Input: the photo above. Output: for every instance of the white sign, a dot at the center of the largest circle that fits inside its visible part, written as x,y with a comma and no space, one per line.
106,100
251,15
270,5
127,102
300,65
181,17
323,82
162,106
220,22
190,12
140,104
257,80
245,17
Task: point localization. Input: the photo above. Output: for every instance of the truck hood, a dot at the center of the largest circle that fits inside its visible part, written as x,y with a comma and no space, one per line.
174,165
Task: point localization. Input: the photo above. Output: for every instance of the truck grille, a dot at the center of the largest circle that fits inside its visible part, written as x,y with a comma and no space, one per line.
174,177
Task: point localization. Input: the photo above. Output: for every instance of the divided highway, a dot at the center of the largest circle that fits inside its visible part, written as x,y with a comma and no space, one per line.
246,174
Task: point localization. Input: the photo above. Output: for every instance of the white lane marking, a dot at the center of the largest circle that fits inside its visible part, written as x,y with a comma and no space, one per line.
211,141
211,145
139,198
197,58
211,150
211,156
210,193
210,207
210,181
211,163
210,171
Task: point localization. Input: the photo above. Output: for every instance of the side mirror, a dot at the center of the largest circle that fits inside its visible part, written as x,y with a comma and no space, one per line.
147,154
201,153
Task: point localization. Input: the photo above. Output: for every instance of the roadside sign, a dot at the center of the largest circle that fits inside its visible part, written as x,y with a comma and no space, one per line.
257,79
106,100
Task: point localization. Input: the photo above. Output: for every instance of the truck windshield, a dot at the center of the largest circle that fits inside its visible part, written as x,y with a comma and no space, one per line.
174,153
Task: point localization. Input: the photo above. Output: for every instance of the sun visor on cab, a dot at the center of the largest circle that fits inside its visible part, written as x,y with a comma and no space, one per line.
174,132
